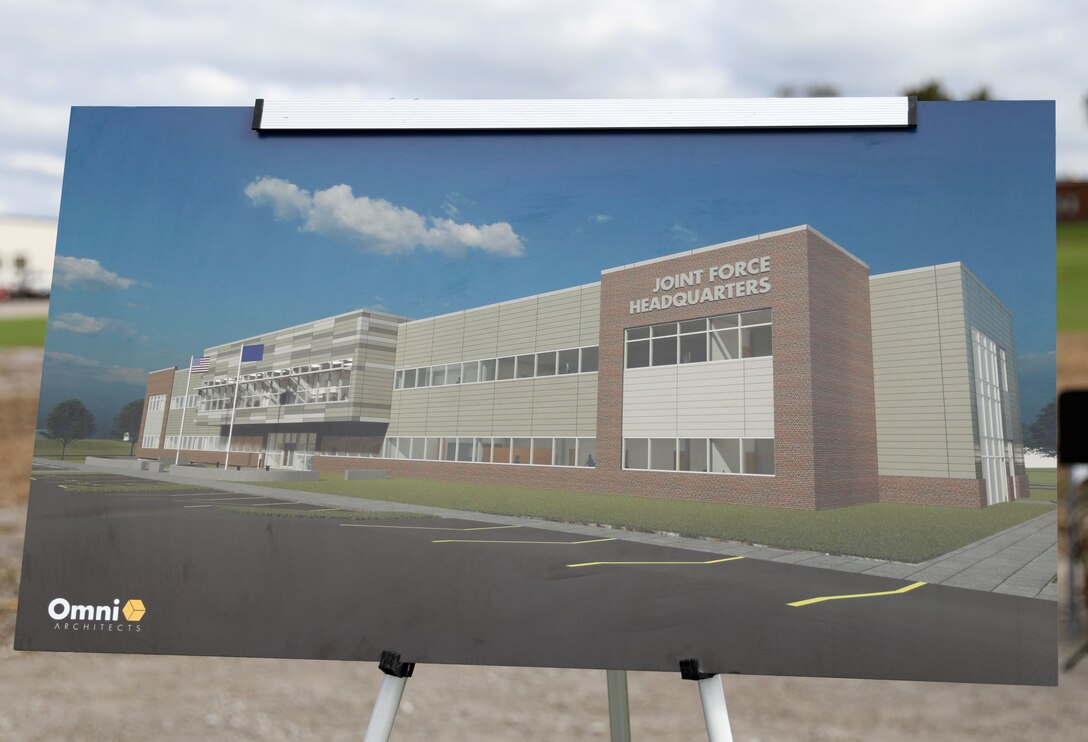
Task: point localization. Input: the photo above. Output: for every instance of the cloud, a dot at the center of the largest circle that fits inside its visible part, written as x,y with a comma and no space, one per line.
70,364
682,233
87,272
600,218
378,225
87,325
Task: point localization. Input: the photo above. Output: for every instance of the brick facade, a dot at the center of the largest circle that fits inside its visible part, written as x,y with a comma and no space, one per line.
158,382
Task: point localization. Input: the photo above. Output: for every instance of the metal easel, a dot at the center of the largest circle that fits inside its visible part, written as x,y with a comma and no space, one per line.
715,713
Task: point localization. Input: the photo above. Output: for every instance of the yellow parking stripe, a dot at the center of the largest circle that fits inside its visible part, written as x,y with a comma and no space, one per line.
427,528
489,541
810,601
712,561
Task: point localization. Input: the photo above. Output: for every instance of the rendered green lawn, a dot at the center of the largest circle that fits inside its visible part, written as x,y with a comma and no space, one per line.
1072,276
50,449
907,533
330,514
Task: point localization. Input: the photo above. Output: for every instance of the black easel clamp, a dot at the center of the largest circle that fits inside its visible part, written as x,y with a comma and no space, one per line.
689,670
390,664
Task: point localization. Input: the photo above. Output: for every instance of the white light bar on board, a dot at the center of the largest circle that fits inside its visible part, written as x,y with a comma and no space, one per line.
679,113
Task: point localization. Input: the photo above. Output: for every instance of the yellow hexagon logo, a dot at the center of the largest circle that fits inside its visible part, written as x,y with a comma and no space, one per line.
134,610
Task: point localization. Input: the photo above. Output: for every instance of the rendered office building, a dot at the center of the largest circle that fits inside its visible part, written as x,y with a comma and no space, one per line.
772,370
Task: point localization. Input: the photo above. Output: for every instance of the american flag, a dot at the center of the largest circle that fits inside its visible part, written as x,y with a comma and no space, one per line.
200,365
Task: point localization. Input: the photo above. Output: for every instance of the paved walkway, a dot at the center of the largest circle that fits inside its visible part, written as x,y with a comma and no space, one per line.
1022,560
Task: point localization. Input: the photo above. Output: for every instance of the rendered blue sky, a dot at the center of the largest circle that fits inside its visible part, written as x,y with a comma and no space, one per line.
158,196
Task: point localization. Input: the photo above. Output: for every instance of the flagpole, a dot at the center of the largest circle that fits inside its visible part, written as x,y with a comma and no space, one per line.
184,406
234,407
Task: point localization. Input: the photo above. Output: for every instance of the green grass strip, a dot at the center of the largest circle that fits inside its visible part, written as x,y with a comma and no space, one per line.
46,448
906,533
119,488
22,332
326,514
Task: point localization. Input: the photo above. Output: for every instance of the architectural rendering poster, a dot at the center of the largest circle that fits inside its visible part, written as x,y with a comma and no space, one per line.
582,399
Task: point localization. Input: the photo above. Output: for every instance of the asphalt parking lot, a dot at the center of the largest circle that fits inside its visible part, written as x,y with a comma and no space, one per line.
441,590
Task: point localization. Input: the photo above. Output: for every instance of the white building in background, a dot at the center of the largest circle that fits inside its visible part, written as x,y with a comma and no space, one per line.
27,246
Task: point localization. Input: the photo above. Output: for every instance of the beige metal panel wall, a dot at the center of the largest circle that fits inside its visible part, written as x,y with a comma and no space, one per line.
481,333
709,400
555,406
759,398
649,402
920,360
565,406
957,368
732,399
476,409
442,403
513,407
448,340
587,405
517,328
414,343
590,327
907,375
558,320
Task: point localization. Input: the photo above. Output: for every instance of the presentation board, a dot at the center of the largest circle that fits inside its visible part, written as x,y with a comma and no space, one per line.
577,398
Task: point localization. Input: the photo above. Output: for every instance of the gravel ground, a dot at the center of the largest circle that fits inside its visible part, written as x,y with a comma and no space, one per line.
49,696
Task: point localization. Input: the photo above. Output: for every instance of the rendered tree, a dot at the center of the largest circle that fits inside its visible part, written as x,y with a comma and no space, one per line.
1042,434
70,420
128,421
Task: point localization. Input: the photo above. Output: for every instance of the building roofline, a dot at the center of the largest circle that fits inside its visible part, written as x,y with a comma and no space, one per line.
957,264
741,241
374,313
504,303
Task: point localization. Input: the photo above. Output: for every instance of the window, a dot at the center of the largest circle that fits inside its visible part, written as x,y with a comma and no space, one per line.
526,366
423,377
724,338
542,451
725,455
758,456
545,364
589,358
521,452
692,454
453,373
506,368
409,378
438,375
487,370
568,361
500,450
636,453
663,454
587,452
471,372
566,452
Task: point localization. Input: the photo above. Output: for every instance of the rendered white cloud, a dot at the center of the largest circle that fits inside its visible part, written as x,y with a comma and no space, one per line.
378,225
89,367
86,325
600,218
71,271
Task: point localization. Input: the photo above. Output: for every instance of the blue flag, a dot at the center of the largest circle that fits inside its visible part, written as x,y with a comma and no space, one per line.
252,353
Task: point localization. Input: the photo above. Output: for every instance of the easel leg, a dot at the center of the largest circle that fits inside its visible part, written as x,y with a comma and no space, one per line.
619,706
712,695
389,695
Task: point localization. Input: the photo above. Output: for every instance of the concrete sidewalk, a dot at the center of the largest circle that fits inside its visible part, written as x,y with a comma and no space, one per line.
1022,560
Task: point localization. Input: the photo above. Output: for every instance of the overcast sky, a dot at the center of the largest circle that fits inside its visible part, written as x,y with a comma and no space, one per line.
55,54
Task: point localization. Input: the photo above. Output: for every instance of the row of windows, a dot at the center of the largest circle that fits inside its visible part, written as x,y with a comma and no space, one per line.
309,388
534,451
156,402
150,441
196,443
723,338
309,368
713,455
528,366
180,401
